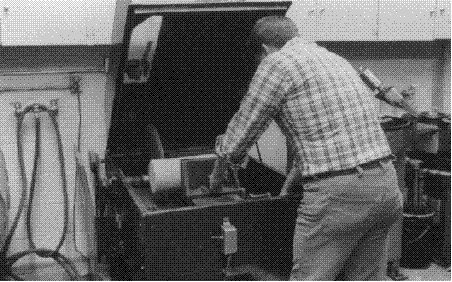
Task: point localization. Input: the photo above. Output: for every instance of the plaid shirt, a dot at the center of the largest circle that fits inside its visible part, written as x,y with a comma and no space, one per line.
321,104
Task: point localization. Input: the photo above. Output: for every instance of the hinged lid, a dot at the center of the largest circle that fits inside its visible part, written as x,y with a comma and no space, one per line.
184,69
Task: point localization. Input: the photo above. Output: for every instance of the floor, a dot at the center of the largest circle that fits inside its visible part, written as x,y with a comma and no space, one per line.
433,273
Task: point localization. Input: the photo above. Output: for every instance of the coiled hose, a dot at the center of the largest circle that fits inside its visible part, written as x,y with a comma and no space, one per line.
45,253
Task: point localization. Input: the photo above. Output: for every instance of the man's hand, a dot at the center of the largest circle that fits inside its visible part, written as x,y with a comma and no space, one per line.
292,182
219,175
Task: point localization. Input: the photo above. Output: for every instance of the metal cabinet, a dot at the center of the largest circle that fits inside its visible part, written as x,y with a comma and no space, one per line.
56,22
361,20
343,20
406,20
442,21
79,22
99,16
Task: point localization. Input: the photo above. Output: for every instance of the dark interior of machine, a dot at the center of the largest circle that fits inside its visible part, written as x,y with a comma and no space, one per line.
201,69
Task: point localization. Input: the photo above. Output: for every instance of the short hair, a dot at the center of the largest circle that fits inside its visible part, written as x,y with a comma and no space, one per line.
274,31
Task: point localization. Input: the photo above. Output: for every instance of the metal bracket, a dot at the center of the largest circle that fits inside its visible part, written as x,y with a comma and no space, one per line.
36,108
74,84
53,110
17,107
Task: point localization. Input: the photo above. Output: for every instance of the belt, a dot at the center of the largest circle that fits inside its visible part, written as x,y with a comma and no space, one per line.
357,169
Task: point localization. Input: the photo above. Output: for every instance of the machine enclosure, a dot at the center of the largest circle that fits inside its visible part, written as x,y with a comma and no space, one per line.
183,244
202,64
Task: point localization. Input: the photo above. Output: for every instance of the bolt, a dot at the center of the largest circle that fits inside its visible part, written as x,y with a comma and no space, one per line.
16,105
54,103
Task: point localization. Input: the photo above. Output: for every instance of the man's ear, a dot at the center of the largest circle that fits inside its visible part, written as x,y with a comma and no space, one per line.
266,48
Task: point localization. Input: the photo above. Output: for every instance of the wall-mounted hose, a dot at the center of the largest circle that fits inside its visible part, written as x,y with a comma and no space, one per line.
33,181
7,271
45,253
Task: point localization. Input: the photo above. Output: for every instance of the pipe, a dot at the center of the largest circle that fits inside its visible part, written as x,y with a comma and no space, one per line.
18,73
17,89
74,85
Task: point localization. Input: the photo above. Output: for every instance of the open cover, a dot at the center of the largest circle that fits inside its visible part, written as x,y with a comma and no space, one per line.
189,75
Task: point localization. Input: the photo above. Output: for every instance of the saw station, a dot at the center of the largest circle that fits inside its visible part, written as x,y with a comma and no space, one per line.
162,140
167,224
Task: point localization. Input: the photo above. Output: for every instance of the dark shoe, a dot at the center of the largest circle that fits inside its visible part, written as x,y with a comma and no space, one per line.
394,273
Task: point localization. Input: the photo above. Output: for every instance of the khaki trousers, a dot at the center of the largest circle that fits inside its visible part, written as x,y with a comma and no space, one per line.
343,224
394,240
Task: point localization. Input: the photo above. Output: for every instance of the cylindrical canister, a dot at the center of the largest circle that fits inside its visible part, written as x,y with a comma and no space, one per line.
414,193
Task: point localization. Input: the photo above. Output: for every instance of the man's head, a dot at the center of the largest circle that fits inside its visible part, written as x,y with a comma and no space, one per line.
273,32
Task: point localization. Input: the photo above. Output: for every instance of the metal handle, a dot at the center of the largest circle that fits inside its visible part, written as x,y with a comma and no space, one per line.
265,195
435,172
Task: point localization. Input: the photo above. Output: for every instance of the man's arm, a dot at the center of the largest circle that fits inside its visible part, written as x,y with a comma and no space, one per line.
267,89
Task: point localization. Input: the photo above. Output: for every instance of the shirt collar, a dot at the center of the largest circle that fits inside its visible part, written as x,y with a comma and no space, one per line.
296,41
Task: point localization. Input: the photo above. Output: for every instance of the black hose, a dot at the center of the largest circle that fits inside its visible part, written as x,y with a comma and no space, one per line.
7,271
46,253
54,254
34,177
33,181
10,235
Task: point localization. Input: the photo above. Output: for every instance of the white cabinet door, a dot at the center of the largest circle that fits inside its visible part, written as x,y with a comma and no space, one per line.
345,20
304,14
43,22
442,24
406,20
99,16
57,22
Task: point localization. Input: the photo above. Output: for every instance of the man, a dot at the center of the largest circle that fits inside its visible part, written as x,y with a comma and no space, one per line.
342,159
